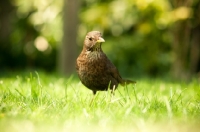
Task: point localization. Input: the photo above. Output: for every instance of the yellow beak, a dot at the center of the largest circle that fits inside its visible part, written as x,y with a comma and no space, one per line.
100,40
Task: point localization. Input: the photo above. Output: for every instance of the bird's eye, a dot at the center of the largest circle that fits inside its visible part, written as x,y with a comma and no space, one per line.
90,38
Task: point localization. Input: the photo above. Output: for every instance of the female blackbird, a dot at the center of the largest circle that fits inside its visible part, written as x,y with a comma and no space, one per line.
94,69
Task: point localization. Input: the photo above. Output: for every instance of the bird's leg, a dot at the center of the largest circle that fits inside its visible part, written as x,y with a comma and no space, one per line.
111,88
94,93
112,92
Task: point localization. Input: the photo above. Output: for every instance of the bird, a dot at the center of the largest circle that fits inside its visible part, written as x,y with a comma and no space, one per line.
93,67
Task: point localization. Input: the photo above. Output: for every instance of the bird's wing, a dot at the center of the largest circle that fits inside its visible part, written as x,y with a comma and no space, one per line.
80,60
115,74
113,71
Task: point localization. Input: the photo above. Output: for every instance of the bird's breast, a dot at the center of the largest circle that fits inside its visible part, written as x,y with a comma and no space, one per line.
92,64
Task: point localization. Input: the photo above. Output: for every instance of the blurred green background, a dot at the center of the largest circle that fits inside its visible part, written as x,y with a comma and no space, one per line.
143,37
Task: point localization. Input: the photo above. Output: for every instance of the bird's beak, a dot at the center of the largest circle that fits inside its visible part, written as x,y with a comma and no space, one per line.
100,40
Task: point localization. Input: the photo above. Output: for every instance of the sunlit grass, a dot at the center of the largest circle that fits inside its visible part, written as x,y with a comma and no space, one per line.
39,102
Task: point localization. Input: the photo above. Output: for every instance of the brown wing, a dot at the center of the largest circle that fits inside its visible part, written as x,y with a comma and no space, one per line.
113,71
80,60
116,75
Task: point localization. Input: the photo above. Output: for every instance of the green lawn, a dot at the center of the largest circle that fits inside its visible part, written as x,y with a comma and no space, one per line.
38,102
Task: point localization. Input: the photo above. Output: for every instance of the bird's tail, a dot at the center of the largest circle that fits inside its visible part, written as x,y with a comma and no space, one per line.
125,82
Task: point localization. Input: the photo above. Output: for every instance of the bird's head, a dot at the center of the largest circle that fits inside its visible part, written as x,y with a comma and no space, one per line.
93,41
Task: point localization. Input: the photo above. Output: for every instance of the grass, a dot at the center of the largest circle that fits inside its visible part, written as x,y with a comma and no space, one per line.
37,102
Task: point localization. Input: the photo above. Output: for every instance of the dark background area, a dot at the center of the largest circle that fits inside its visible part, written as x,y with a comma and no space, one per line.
143,38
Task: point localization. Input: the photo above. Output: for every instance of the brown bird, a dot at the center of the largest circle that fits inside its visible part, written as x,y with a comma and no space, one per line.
94,69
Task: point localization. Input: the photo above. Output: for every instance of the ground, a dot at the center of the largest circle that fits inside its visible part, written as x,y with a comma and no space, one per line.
37,102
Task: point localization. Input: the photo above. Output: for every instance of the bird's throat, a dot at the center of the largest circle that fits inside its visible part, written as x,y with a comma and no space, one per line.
94,55
97,47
